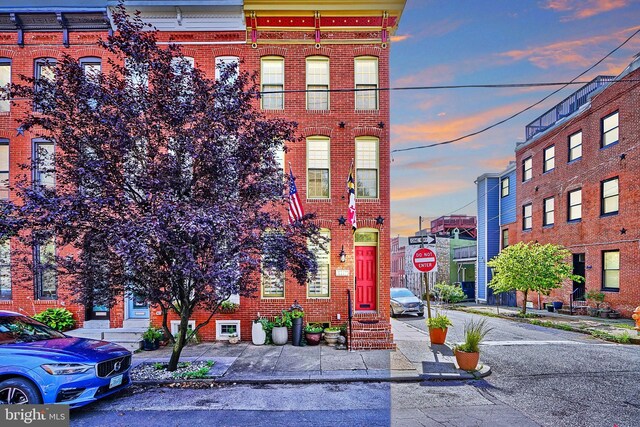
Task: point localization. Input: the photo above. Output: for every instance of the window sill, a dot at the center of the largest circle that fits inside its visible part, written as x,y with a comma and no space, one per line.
367,200
527,180
548,226
604,147
549,171
315,200
326,111
604,215
527,230
311,298
271,298
614,290
574,221
570,162
376,110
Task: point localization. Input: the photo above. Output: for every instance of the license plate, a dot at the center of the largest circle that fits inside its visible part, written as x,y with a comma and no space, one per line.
115,381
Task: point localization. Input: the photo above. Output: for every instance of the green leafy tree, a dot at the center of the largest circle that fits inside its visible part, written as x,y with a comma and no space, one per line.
531,267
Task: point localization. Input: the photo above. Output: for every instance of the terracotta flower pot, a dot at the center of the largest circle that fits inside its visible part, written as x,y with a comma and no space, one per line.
313,338
438,335
467,361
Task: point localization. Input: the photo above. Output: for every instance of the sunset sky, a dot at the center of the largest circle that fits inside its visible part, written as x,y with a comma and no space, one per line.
486,42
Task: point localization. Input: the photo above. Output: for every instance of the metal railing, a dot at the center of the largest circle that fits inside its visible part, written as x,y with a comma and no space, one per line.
568,106
465,252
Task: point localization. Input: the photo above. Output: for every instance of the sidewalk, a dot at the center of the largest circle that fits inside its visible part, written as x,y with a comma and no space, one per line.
609,329
414,360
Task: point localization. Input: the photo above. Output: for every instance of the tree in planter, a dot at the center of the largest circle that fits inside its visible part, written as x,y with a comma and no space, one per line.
166,183
531,267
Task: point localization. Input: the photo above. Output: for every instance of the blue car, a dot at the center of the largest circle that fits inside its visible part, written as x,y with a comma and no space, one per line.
41,365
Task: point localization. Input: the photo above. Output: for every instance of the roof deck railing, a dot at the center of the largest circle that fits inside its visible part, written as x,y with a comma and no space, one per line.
567,107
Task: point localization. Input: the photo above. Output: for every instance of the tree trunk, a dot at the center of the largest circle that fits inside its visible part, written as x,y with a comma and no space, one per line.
524,303
179,344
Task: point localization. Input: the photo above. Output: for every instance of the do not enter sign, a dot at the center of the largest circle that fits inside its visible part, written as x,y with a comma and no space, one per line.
424,260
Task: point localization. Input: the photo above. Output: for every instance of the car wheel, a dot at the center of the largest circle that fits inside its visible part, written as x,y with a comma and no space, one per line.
393,314
421,314
18,391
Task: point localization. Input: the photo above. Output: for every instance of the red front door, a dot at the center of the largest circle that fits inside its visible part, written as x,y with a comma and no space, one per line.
366,277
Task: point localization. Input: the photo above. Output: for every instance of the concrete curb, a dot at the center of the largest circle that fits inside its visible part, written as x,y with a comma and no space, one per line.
484,371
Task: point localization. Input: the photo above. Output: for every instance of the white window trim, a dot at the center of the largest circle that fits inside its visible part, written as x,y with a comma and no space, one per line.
225,337
175,325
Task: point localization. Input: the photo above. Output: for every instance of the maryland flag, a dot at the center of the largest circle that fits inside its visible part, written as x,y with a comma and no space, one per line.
351,190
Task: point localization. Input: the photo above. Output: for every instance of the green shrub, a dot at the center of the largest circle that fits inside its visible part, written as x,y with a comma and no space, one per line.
152,334
228,306
474,333
439,321
313,328
57,318
450,294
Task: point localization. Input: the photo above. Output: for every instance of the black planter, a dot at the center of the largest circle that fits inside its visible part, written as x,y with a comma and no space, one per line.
150,345
296,331
550,308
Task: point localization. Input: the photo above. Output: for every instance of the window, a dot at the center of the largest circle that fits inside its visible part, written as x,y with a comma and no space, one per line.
272,79
527,169
224,328
319,286
181,70
609,130
549,158
366,81
504,184
92,68
44,71
526,216
137,74
610,197
45,276
549,208
272,283
4,169
611,270
317,80
505,238
367,167
575,205
44,171
575,146
5,271
5,79
318,168
224,61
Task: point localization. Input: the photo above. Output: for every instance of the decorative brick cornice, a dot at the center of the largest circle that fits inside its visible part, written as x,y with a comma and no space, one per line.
272,51
316,131
368,131
320,51
367,51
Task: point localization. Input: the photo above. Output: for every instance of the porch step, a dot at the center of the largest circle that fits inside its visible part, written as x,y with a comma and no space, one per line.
135,323
370,332
94,334
117,334
129,338
96,324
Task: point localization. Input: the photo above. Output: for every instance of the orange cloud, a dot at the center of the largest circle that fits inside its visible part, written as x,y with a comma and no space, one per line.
581,9
497,164
428,189
578,52
432,165
400,38
449,128
428,76
403,225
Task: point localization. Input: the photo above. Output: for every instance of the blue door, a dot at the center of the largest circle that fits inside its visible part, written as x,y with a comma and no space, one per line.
138,307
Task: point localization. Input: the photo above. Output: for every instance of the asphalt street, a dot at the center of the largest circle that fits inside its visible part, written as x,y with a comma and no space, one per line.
540,377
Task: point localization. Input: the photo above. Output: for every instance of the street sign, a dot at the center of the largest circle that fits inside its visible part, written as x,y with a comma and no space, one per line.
424,260
422,240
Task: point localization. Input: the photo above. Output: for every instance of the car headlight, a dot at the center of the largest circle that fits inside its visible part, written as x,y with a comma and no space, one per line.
66,368
396,303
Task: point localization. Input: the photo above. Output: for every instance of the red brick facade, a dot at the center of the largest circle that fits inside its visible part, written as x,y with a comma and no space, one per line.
342,123
595,232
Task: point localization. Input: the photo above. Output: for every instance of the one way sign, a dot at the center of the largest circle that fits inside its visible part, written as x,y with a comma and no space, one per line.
422,240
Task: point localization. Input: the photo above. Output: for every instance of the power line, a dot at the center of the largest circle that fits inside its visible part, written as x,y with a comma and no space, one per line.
572,81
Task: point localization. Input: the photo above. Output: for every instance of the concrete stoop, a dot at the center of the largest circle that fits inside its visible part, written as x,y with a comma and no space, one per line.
370,332
129,338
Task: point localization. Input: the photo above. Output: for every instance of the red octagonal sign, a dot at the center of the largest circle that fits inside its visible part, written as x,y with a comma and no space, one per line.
424,260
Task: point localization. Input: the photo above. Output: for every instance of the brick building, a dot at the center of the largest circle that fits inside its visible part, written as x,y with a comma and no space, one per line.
398,247
292,47
578,185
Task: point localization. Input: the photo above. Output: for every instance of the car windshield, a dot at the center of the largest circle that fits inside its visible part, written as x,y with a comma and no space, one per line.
16,329
401,293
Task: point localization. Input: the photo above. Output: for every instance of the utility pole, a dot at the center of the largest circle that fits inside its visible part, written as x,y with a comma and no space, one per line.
423,279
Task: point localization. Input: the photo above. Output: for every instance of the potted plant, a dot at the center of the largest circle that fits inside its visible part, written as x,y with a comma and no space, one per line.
438,327
234,338
313,334
468,353
151,338
258,331
297,316
331,335
597,298
228,307
280,333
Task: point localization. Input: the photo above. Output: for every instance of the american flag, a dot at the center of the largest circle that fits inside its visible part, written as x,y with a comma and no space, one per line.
295,207
351,190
